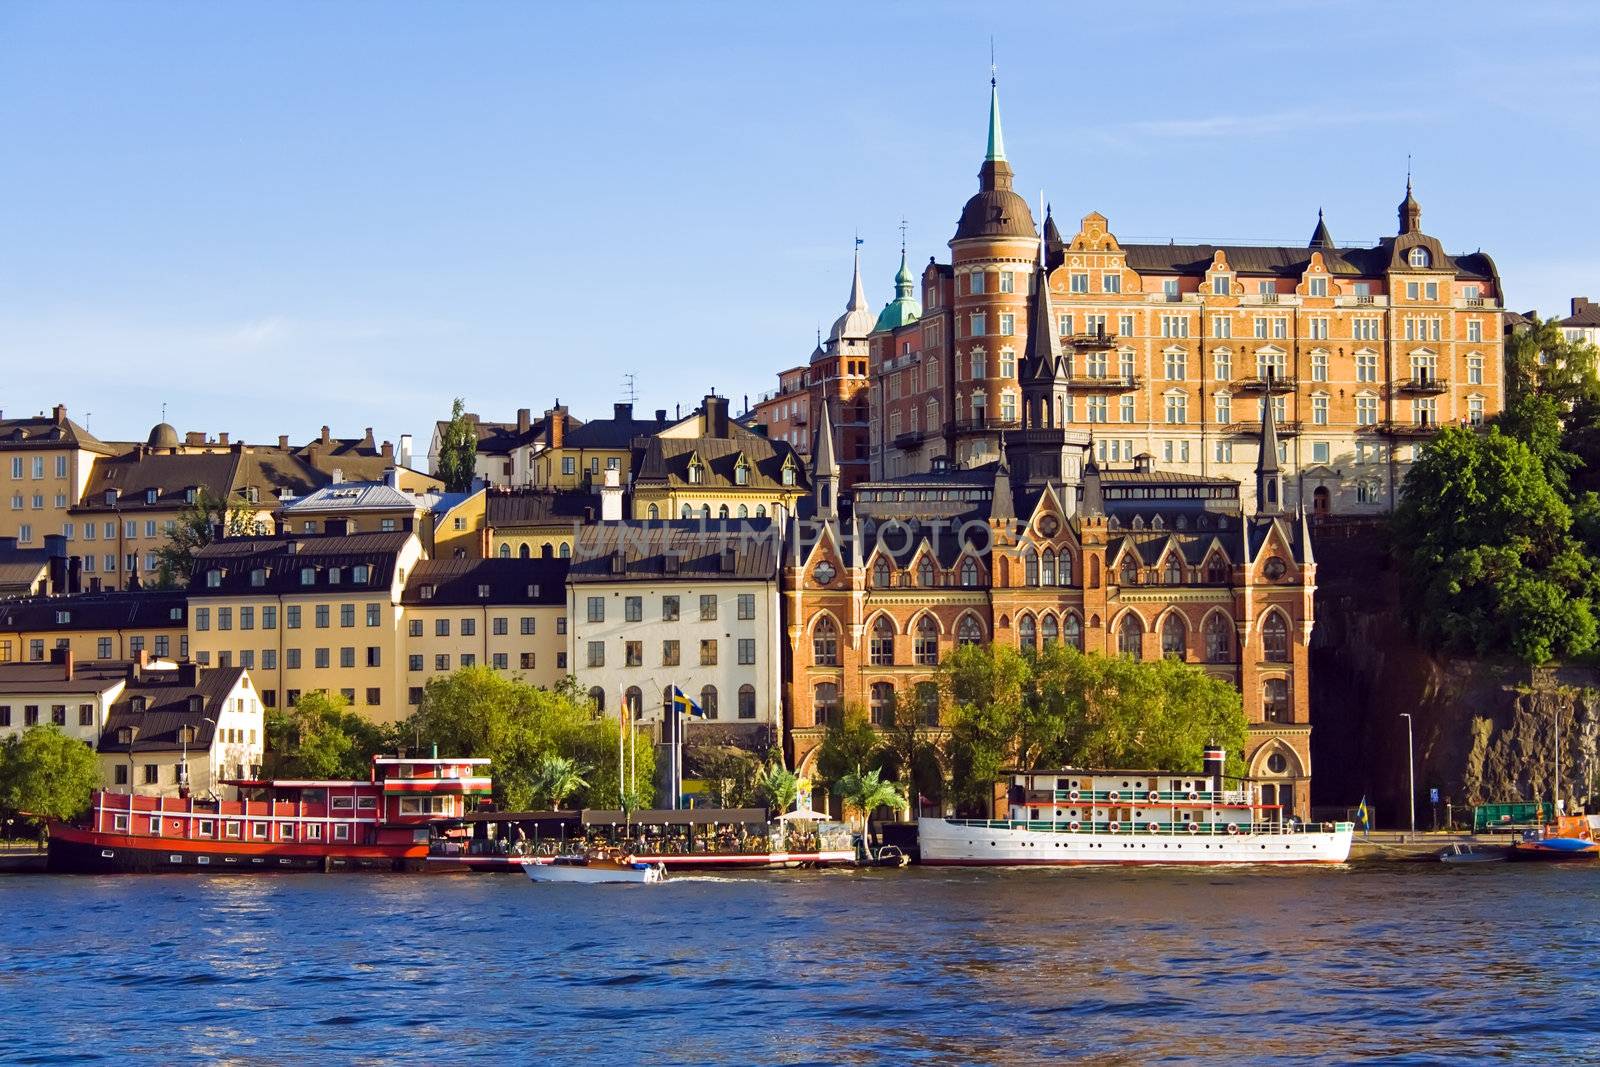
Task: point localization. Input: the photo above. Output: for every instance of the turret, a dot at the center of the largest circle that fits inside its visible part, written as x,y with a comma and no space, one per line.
825,468
1269,478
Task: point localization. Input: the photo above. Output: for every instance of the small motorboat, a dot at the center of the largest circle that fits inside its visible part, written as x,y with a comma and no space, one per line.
1568,838
594,868
888,856
1463,853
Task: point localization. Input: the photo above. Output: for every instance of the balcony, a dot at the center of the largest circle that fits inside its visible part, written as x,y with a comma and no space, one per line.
908,441
974,423
1408,429
1098,339
1274,384
1423,385
1253,429
1102,384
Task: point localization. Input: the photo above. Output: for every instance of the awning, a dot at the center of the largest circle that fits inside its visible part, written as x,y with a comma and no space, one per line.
681,817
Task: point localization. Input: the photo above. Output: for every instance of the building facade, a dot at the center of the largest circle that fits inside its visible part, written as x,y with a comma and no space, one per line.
177,730
96,626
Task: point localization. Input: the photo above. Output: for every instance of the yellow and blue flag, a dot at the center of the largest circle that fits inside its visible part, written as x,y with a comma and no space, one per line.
1364,815
683,705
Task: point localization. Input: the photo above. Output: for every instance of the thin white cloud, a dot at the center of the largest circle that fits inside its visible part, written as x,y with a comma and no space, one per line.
1261,124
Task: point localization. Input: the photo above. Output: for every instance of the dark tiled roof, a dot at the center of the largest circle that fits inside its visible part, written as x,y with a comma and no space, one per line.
146,609
612,434
36,677
538,507
44,431
1584,314
268,471
168,710
459,581
284,558
737,550
1288,261
665,460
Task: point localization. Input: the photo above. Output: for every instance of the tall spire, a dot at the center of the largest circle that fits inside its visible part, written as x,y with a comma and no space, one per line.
858,295
1410,210
1269,480
997,144
1320,237
824,467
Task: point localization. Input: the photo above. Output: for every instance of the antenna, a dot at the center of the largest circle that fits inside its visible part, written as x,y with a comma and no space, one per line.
1408,172
902,236
163,411
629,393
991,61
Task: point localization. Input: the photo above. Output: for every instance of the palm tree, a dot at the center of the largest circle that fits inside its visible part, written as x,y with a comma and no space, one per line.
869,792
558,777
780,786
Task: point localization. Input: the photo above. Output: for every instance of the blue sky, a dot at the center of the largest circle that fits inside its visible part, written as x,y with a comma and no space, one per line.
271,216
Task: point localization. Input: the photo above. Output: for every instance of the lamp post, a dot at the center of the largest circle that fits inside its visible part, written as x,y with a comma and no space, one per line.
1411,773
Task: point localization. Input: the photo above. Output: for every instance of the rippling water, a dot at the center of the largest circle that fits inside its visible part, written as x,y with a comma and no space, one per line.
1417,963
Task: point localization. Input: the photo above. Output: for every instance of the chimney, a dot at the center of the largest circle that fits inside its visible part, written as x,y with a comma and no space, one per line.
326,435
368,442
524,420
74,575
405,450
194,438
661,414
555,426
142,658
222,439
279,528
611,496
387,451
338,475
283,441
622,412
716,420
1580,304
94,583
61,413
62,657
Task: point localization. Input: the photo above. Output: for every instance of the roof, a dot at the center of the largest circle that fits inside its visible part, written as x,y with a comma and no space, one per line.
613,434
1287,261
48,431
357,496
167,710
733,550
665,460
269,471
47,677
537,507
440,582
857,321
152,609
1584,313
283,561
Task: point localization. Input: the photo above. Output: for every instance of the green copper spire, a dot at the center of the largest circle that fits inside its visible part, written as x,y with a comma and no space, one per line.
997,144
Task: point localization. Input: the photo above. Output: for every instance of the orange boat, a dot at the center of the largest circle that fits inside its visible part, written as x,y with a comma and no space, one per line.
384,823
1568,838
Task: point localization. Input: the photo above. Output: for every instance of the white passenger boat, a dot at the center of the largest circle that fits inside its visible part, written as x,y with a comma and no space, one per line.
1134,817
593,868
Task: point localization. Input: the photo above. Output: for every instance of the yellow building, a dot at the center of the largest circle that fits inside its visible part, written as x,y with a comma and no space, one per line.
95,626
450,525
710,467
505,614
535,523
45,463
303,613
576,457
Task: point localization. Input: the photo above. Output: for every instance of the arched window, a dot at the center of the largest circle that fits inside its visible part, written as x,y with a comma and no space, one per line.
1217,569
708,701
741,473
722,512
1064,568
1418,257
1174,572
696,472
881,646
1130,569
1275,638
522,550
825,703
744,511
747,701
1174,636
880,574
926,648
925,573
969,632
1027,634
566,550
597,697
1047,569
825,642
1219,639
1072,632
1094,572
705,511
1030,566
654,513
1050,629
688,511
505,551
546,550
1275,701
969,572
761,511
880,701
1130,636
633,702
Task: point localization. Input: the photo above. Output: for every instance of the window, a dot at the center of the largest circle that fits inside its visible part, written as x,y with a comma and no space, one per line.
825,703
747,606
747,651
1319,287
925,647
441,627
1174,637
152,777
825,642
103,648
708,701
1078,282
1008,323
969,631
1319,410
1366,410
1275,638
632,609
708,607
1275,701
881,645
1177,408
708,652
1130,636
633,653
1177,366
1474,370
501,626
1174,326
597,653
1125,325
202,618
1321,452
1129,569
414,662
1417,257
1319,366
1224,407
669,609
1065,325
1475,410
527,624
969,572
979,364
596,606
669,653
1366,366
925,573
979,324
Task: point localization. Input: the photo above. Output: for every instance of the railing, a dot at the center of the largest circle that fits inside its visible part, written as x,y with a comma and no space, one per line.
1423,383
1276,384
1131,829
909,439
1268,298
987,422
1098,339
1409,429
1115,383
1253,429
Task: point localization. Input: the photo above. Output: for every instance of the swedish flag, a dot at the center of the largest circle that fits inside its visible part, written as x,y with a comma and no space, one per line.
1364,815
683,705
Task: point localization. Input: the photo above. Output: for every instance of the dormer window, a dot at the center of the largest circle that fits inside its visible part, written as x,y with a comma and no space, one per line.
1318,286
427,592
483,592
252,494
697,471
213,579
258,577
1219,285
136,704
1418,257
333,575
533,592
111,497
741,472
150,495
788,473
197,703
308,576
175,614
125,735
188,495
63,618
361,574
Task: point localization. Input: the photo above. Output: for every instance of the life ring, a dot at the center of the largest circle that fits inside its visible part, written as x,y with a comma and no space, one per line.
1073,795
1114,827
1233,828
1113,796
1154,797
1154,828
1194,828
1074,826
1193,795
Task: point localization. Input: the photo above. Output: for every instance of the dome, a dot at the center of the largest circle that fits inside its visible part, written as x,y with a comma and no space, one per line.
163,436
904,309
996,213
853,325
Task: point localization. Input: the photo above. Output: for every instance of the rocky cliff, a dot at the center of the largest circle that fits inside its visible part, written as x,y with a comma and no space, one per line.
1485,731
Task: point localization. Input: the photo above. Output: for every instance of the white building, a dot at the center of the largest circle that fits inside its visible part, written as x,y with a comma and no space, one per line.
77,697
1584,322
184,726
653,605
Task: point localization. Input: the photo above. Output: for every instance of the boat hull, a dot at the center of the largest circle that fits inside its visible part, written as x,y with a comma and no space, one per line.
75,851
946,842
592,874
1555,850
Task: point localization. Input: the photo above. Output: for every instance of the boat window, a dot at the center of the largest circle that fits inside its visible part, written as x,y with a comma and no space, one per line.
119,823
341,832
367,803
155,825
286,831
344,803
231,829
207,828
313,832
258,830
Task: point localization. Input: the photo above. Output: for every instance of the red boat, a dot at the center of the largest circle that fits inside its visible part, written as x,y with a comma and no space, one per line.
1568,838
383,823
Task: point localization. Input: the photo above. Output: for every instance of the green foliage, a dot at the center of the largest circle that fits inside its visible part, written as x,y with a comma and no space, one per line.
195,529
1541,360
867,792
849,746
729,773
479,712
458,449
45,773
557,777
1486,546
778,786
1061,707
321,737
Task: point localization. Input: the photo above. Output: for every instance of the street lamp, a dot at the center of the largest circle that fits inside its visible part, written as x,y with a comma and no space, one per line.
1411,771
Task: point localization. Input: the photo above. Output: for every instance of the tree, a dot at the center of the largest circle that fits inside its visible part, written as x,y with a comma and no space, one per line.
196,528
779,786
849,746
320,737
1541,359
728,772
556,778
1485,542
867,793
982,687
46,774
458,449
